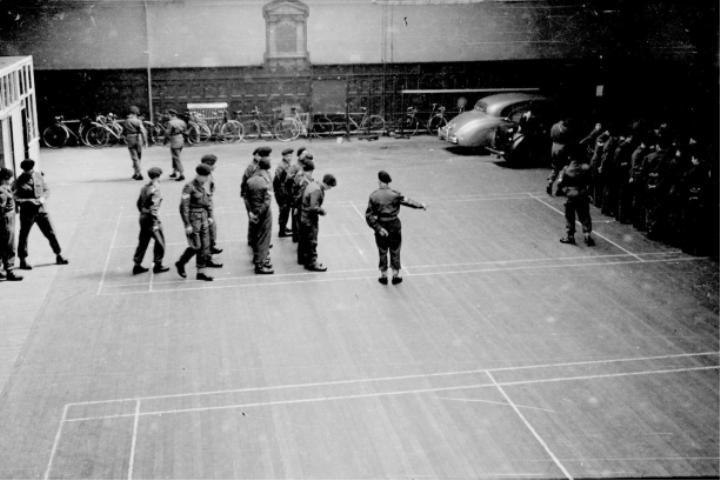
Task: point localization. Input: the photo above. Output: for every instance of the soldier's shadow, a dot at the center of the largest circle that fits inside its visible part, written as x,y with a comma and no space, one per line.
113,180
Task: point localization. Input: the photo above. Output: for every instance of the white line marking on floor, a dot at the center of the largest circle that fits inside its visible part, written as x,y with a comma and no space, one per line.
594,232
390,393
110,248
131,463
530,427
357,210
55,444
477,400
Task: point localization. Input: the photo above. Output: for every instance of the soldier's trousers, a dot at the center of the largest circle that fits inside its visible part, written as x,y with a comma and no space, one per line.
198,240
389,244
212,231
176,162
654,216
29,216
134,143
7,241
307,244
283,215
624,203
260,233
609,198
638,207
295,219
580,206
150,229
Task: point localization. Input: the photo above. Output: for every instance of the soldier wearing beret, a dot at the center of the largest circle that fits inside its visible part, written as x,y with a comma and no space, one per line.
281,195
175,136
211,160
195,209
257,202
300,180
31,194
575,181
296,167
258,153
148,204
135,137
382,216
312,200
7,226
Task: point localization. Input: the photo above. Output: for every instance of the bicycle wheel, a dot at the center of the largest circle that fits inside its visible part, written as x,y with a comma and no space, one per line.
192,134
97,136
374,124
55,136
410,125
435,124
323,126
252,130
204,133
287,129
231,131
266,131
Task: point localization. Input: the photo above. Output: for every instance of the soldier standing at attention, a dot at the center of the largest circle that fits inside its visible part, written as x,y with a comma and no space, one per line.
312,200
382,216
294,169
31,193
210,160
148,203
301,180
655,174
281,195
174,134
7,226
257,202
575,180
560,136
195,209
135,137
258,153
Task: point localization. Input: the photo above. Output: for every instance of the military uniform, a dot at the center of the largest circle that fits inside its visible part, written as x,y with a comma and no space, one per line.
293,171
7,230
30,193
249,172
575,180
696,226
135,135
560,136
382,213
311,208
636,185
148,204
300,183
174,135
195,209
655,170
257,199
281,196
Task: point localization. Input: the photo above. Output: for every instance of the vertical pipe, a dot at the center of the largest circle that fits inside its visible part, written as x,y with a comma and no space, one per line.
149,59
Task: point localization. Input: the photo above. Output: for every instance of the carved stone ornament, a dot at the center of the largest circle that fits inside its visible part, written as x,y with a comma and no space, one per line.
286,34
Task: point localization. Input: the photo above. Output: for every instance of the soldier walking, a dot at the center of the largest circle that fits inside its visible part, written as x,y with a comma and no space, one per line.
282,196
312,200
382,216
31,193
175,136
7,226
148,203
195,209
135,137
257,202
575,180
211,160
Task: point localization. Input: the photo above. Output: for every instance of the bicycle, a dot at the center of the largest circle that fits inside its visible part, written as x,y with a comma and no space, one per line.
410,124
322,125
104,129
198,129
59,134
368,123
437,119
290,128
256,128
229,130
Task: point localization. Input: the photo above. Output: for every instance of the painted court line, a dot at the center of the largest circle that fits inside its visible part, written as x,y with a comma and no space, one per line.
55,444
596,233
530,427
399,377
131,462
107,259
477,400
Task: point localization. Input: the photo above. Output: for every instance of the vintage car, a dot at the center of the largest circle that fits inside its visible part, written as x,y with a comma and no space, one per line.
500,112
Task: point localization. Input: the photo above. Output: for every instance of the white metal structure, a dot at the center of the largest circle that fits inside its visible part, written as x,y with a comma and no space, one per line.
19,133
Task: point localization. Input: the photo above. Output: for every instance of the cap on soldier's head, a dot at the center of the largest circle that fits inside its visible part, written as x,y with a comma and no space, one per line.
288,151
300,151
329,180
27,164
309,156
264,163
5,174
172,111
384,176
209,159
308,165
264,151
134,110
154,172
203,169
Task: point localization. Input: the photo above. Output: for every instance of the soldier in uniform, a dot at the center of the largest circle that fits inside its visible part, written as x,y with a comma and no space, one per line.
258,153
135,137
210,160
281,195
31,194
560,135
623,172
575,180
695,188
294,169
175,136
7,226
148,204
301,180
312,200
195,209
257,202
644,148
655,171
382,216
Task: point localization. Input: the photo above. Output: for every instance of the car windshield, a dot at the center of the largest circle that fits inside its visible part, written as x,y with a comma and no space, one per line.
481,106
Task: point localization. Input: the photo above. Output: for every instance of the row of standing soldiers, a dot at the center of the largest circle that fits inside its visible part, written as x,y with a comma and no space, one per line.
646,177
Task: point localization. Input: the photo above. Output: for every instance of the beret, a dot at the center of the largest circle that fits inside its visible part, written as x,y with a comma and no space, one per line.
134,110
154,172
308,165
27,164
384,176
203,169
329,180
264,151
264,163
309,156
288,151
209,159
300,151
5,173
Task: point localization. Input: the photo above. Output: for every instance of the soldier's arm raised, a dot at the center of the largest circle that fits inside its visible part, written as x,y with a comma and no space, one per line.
408,202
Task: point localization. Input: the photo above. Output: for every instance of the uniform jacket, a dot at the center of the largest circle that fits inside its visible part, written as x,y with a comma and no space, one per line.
133,127
300,182
384,206
312,200
258,192
655,170
281,174
174,132
249,172
148,203
29,186
636,161
7,201
575,179
290,178
194,197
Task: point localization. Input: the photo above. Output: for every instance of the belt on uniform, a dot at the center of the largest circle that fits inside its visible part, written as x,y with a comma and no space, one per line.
387,219
198,210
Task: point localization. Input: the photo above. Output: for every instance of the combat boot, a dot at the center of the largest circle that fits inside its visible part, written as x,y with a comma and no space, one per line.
569,239
202,276
137,269
589,241
11,277
180,267
160,268
24,265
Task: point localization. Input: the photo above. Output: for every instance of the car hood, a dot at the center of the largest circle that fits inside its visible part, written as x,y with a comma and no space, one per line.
474,118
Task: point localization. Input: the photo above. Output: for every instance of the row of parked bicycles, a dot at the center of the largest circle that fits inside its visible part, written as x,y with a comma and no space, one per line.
106,130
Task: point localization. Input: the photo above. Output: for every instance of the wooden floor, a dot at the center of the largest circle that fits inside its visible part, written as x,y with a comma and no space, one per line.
504,354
